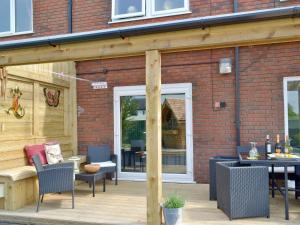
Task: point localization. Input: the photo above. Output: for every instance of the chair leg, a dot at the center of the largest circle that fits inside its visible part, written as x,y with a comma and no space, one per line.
73,202
38,204
116,172
42,198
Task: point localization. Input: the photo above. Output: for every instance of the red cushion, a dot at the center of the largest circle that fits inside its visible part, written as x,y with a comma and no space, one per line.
32,150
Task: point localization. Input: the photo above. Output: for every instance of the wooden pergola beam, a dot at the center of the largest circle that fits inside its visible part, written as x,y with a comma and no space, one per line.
243,34
153,139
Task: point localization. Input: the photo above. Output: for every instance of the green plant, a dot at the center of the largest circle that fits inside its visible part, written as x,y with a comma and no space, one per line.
174,202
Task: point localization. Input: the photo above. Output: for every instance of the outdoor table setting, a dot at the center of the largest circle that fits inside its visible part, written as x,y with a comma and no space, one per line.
283,158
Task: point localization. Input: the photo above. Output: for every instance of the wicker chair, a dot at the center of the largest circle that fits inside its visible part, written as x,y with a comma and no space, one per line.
98,154
212,173
56,178
242,191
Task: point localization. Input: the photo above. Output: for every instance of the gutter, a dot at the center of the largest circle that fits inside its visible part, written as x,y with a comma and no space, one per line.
177,25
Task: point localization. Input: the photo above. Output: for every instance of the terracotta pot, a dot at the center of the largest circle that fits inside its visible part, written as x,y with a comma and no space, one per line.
91,168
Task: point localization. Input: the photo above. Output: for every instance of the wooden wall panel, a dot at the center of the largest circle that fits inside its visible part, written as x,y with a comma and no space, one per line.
41,122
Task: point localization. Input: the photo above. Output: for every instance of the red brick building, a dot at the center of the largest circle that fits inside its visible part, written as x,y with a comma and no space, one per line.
265,91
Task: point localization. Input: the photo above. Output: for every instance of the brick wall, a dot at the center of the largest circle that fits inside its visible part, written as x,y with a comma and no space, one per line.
262,72
51,18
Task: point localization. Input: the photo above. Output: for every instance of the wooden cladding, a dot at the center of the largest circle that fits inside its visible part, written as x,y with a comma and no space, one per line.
41,123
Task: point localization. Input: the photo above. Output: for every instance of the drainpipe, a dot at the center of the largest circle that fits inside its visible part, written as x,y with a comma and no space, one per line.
237,86
70,16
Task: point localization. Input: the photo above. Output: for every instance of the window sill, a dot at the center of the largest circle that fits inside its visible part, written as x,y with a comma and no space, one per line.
15,34
148,17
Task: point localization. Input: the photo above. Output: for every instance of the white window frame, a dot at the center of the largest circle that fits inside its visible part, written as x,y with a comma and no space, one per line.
148,12
285,99
178,88
13,21
128,15
170,11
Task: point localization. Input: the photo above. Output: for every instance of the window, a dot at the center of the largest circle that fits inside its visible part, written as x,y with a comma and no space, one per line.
15,16
292,110
122,9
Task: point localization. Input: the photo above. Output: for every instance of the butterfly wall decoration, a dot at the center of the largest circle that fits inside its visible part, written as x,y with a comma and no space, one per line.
52,97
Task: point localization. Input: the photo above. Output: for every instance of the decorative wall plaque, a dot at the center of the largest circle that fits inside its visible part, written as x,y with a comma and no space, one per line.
52,97
17,110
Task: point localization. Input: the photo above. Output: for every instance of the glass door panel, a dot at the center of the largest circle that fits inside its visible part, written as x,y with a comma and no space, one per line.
133,133
173,134
293,116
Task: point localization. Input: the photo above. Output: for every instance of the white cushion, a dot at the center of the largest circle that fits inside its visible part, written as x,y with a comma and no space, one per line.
53,153
105,164
291,169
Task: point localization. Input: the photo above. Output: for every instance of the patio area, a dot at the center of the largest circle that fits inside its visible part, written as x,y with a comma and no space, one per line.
126,204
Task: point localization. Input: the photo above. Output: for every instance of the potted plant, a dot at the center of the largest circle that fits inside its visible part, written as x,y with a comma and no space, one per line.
172,209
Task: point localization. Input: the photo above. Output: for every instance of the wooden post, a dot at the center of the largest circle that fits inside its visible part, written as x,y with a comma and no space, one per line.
153,133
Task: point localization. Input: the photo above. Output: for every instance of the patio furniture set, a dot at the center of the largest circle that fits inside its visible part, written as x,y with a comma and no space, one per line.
60,177
241,184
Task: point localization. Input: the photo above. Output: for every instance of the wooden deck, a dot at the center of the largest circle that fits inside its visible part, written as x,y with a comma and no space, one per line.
126,204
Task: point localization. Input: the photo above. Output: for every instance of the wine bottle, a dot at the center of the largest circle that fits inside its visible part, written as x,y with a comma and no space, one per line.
268,146
278,146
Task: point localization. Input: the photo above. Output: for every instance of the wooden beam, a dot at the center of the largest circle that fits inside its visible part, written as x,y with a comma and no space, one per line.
153,140
244,34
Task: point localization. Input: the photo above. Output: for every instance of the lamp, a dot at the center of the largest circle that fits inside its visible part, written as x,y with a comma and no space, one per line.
225,66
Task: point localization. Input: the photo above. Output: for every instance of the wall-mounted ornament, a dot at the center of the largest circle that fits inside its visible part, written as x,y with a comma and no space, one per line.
52,97
17,110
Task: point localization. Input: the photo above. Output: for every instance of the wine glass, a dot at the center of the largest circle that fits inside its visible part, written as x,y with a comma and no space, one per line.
253,151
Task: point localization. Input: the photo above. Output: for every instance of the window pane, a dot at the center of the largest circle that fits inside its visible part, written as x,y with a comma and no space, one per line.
293,113
128,6
4,16
161,5
23,15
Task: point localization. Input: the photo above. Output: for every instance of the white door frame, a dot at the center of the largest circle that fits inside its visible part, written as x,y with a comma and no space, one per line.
179,88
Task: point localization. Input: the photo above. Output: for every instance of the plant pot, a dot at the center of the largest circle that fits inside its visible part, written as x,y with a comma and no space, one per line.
172,216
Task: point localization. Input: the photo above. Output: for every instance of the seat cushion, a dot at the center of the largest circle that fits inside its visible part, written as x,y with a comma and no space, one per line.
105,164
53,153
39,150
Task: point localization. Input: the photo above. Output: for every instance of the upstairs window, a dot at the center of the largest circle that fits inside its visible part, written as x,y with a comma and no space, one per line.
15,17
122,9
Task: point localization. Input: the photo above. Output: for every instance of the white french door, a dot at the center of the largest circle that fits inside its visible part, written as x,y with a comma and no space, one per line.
177,132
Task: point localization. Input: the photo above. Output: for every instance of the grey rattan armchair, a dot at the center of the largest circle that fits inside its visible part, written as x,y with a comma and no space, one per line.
55,178
97,154
242,191
212,173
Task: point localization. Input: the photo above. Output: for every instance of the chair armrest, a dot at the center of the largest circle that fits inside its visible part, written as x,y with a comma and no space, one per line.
114,158
59,165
